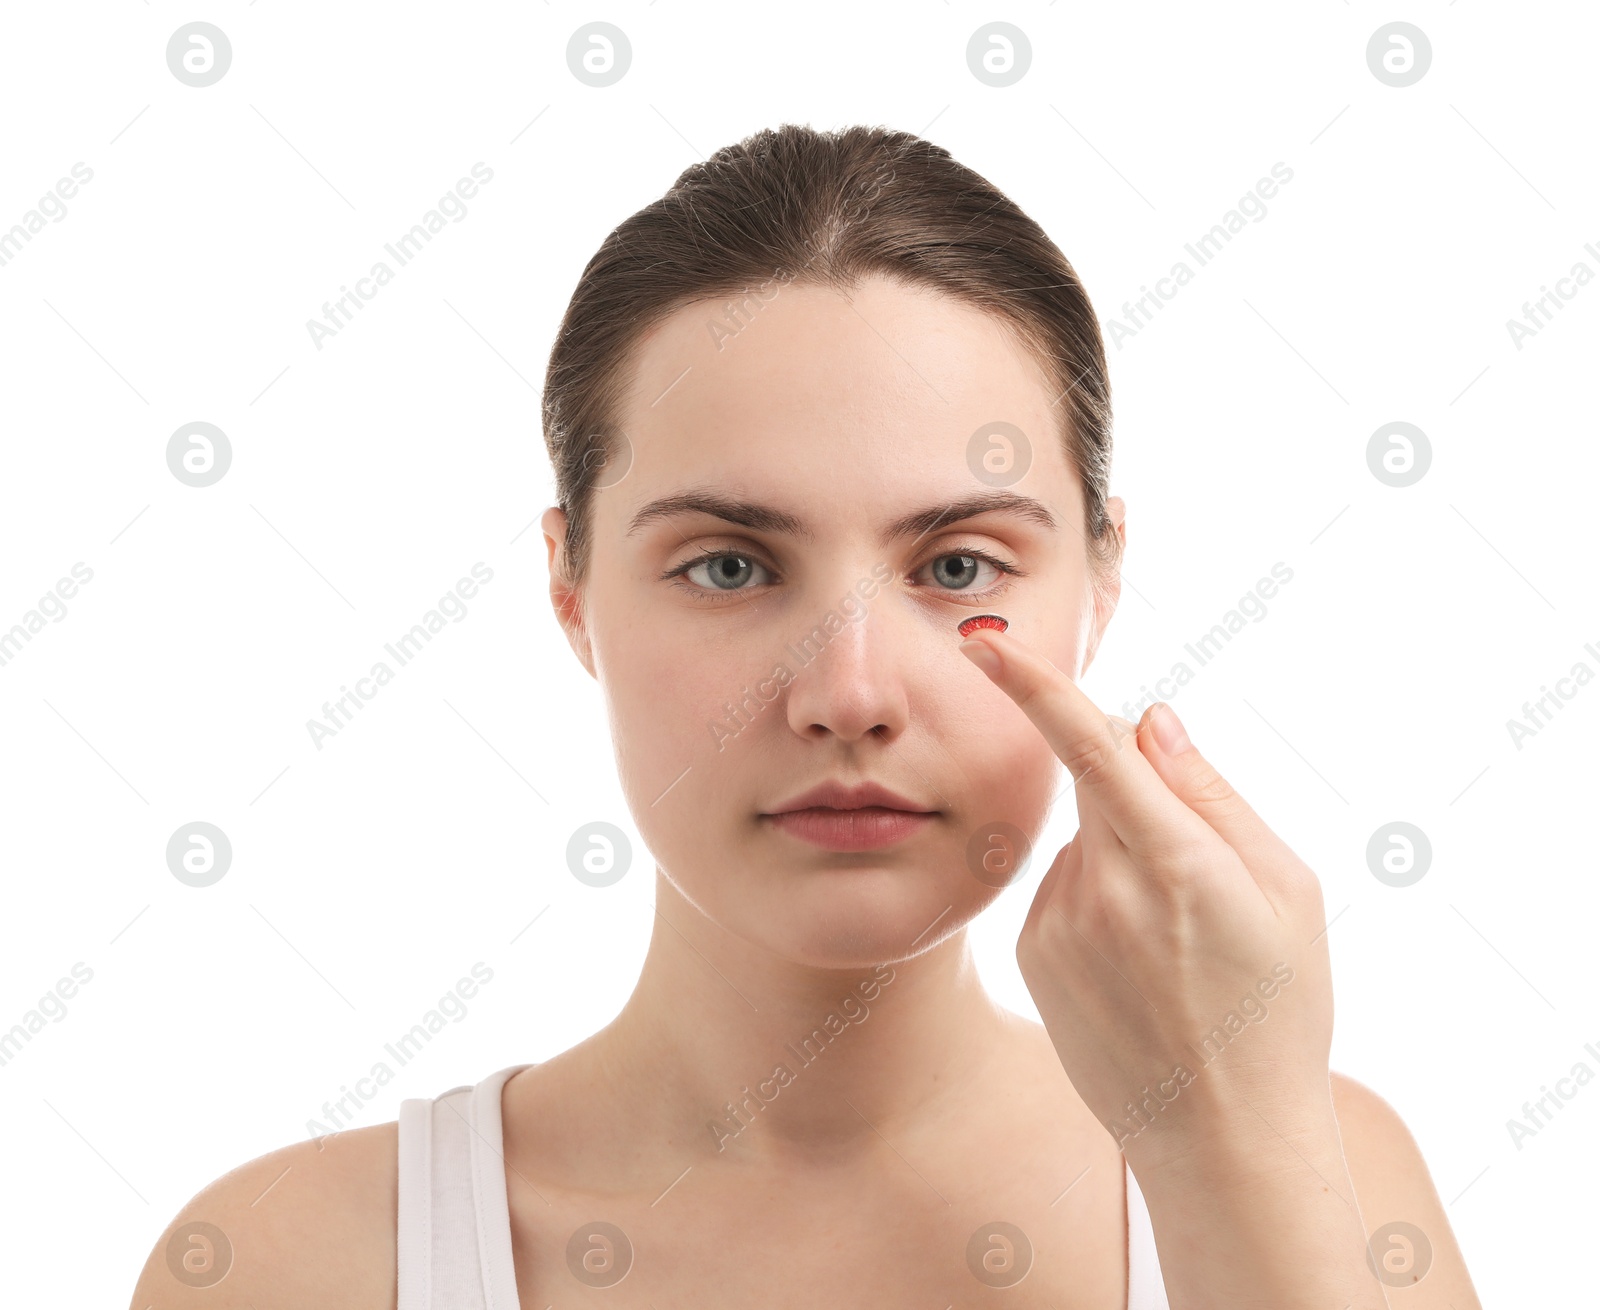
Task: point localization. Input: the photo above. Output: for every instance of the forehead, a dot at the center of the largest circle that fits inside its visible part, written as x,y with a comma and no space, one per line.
883,381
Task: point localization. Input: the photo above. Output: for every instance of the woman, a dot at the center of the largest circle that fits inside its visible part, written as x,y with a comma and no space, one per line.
829,397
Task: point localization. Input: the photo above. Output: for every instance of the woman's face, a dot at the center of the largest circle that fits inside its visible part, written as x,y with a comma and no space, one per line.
819,644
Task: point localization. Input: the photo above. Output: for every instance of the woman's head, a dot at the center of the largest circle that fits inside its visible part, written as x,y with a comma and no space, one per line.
810,356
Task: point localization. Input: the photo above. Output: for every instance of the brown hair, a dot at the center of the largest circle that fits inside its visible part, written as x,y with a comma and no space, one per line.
826,208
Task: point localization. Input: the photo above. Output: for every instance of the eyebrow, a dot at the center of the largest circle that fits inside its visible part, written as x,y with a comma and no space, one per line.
765,518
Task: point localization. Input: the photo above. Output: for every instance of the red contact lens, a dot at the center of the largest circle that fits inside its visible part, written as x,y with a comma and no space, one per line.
969,626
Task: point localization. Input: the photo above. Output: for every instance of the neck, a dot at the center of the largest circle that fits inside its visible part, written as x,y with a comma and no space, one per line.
748,1057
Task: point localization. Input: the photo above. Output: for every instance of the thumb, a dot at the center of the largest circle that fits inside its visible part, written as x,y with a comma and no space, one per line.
1069,855
1194,781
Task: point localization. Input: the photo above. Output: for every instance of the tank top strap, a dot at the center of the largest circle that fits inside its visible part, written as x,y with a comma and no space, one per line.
453,1237
1146,1291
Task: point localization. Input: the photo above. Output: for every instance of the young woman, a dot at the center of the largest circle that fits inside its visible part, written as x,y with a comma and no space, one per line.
829,397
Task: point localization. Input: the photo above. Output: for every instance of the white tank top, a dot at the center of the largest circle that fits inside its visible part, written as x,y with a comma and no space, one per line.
454,1236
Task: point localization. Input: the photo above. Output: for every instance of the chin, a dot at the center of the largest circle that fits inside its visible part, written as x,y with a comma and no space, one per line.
855,919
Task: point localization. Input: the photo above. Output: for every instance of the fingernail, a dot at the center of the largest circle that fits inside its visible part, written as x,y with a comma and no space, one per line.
1168,728
983,655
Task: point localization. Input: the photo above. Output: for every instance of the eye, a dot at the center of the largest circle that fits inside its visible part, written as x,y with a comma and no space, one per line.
726,571
714,573
957,572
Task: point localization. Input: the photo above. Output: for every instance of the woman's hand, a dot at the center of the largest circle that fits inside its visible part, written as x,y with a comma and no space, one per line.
1176,947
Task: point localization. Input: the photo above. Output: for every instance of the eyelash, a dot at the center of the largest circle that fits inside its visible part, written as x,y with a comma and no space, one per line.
1007,570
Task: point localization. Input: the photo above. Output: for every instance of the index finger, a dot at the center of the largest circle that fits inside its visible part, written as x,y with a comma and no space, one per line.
1123,784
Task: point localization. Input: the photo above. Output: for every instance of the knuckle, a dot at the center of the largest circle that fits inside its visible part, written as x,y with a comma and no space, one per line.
1186,865
1104,916
1057,931
1306,887
1093,758
1213,789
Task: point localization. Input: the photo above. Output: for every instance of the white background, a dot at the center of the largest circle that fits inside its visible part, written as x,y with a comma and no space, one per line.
369,476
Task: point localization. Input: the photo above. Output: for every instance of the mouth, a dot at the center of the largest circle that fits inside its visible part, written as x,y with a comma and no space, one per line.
851,816
865,828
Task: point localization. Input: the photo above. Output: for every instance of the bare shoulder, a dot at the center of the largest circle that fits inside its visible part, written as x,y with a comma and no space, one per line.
306,1226
1408,1231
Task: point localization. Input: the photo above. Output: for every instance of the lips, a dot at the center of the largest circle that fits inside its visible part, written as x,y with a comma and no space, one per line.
850,796
850,830
850,817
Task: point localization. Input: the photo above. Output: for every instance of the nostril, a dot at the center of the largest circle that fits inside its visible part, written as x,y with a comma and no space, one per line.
968,626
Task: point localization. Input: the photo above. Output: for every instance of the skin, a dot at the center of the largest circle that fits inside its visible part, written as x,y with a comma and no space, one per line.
938,1110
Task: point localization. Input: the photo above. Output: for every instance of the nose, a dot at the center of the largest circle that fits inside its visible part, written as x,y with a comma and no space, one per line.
849,673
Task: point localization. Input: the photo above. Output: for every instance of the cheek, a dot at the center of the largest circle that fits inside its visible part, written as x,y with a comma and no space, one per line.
1007,765
685,721
1002,770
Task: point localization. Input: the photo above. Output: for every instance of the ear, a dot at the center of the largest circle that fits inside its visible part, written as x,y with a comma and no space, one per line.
1105,601
565,599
